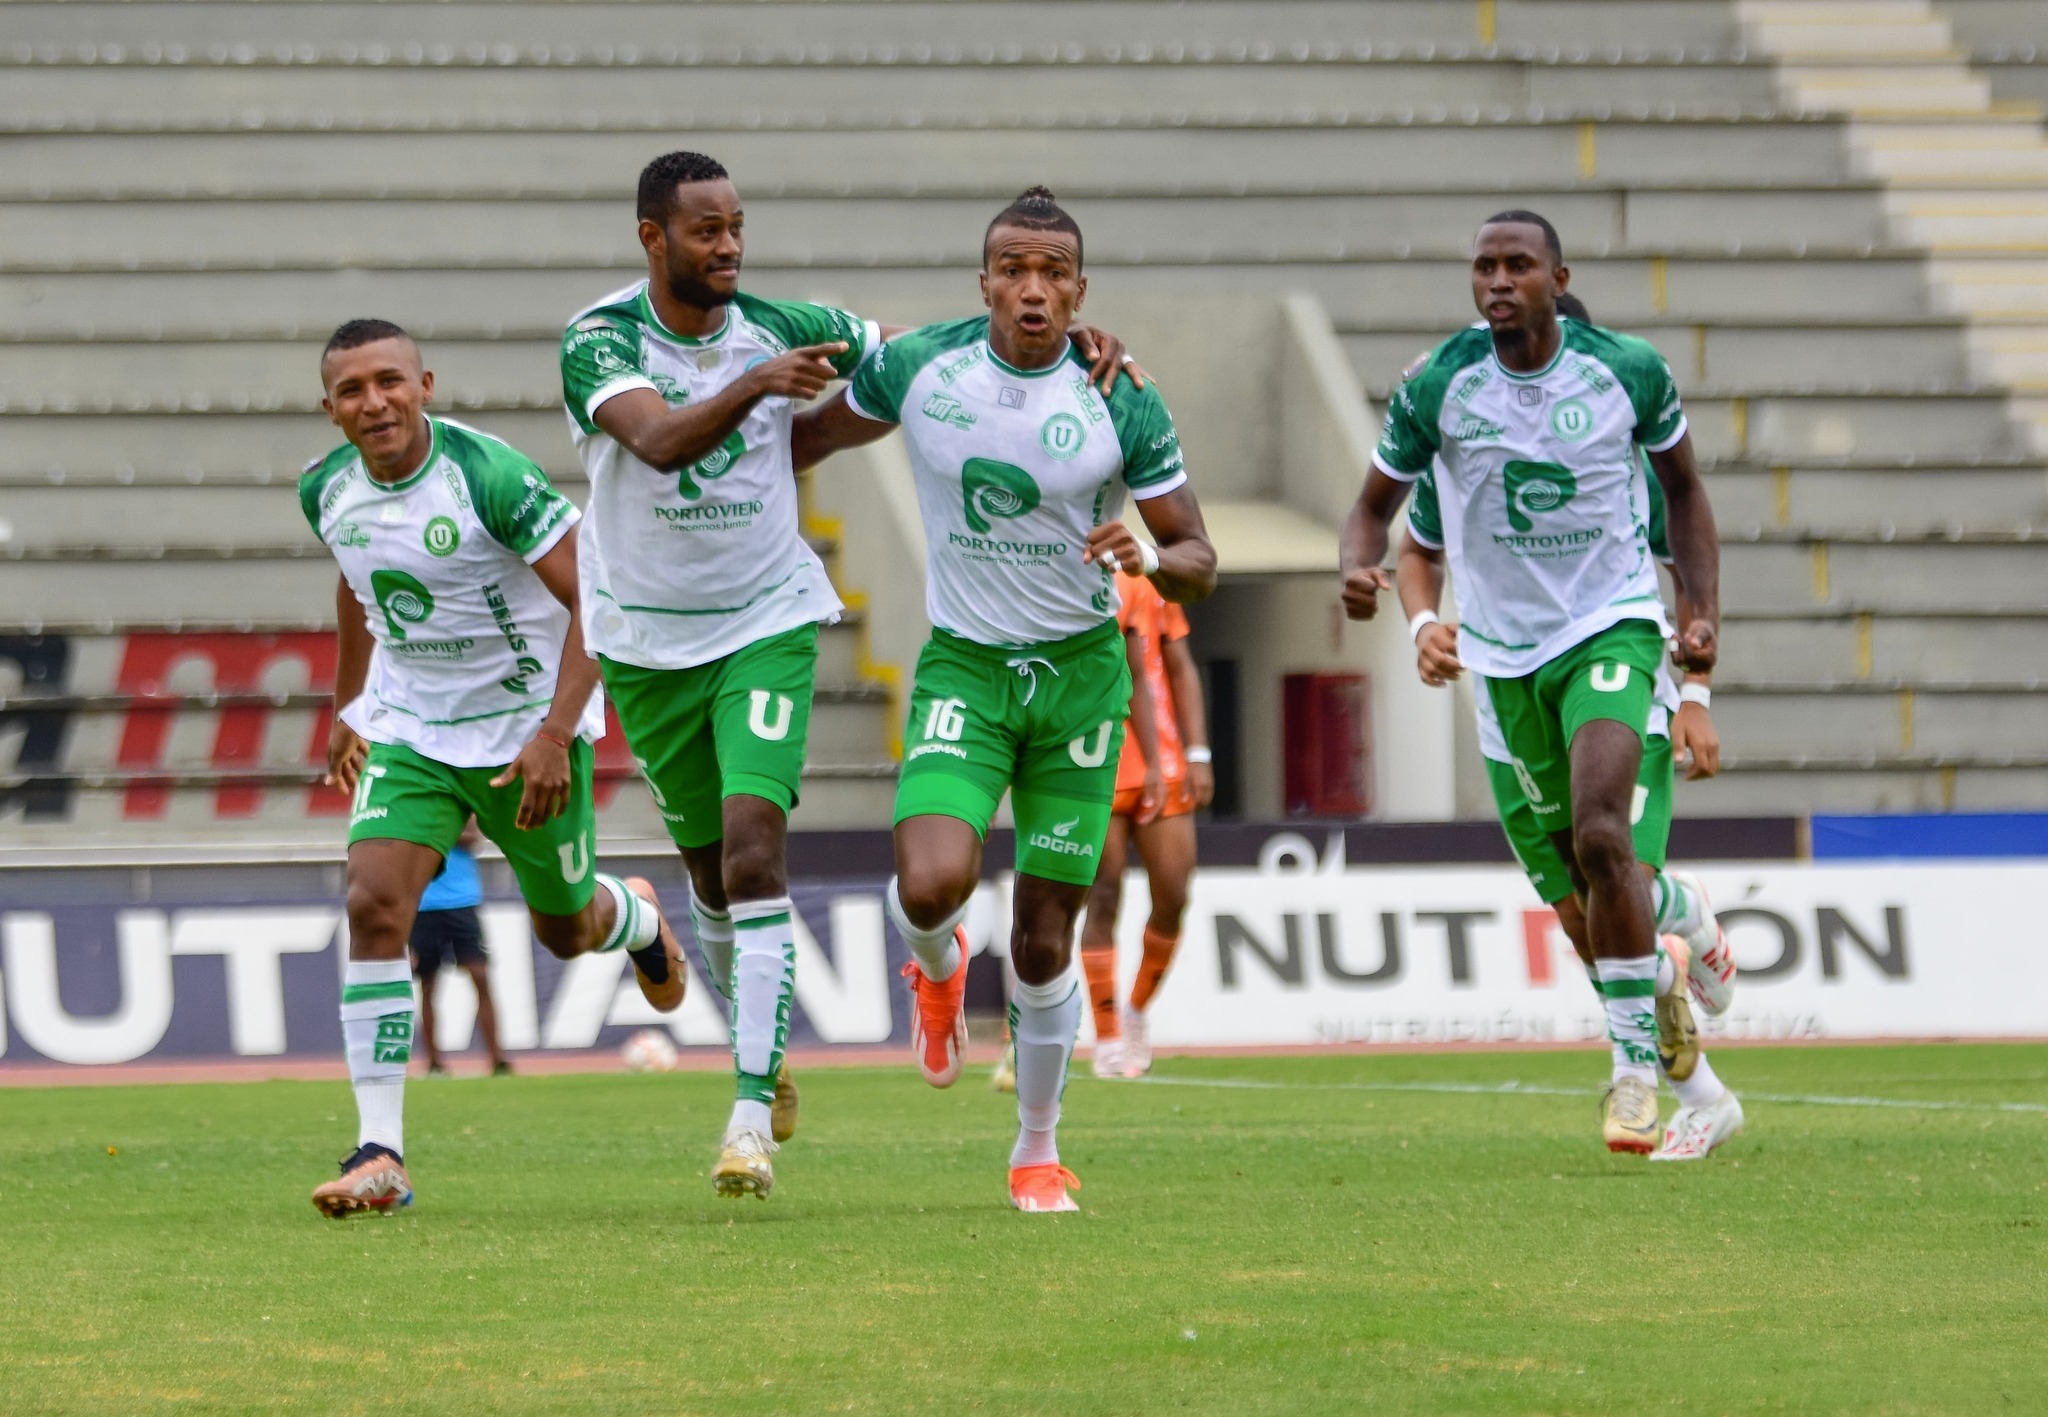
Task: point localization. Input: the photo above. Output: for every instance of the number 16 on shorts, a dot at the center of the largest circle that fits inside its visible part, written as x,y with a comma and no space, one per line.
945,720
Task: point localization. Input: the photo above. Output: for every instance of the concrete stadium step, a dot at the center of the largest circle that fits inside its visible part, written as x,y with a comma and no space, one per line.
1978,646
1875,787
1626,291
390,165
1923,576
2017,82
705,99
1996,28
1868,501
1840,722
973,33
1836,358
263,449
910,233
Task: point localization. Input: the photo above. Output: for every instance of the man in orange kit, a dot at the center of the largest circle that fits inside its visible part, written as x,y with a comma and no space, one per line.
1163,777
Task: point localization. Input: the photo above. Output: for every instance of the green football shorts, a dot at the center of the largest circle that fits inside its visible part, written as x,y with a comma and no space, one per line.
405,796
1045,721
1650,813
1611,675
733,726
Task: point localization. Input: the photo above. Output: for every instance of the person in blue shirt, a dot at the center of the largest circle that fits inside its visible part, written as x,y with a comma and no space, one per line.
448,931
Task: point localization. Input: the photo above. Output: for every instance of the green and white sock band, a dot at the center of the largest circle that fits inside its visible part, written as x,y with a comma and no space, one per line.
635,924
376,1031
1678,908
715,938
1628,987
764,986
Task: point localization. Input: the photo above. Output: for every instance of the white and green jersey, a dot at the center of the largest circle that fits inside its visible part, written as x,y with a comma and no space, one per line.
684,566
468,638
1014,468
1545,507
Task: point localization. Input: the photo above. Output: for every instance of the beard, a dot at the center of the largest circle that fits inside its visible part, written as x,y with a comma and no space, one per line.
687,289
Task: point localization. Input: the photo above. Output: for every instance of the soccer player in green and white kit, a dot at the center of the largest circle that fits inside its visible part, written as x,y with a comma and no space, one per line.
1698,959
461,688
700,595
1021,467
1534,423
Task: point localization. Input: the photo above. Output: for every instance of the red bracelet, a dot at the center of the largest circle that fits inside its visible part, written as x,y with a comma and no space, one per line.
558,742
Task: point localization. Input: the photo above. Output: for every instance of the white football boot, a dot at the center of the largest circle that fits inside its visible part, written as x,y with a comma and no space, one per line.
1710,964
1109,1058
1694,1132
1137,1042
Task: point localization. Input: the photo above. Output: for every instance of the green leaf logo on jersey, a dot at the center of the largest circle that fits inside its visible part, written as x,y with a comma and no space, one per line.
995,489
1571,420
714,464
1535,487
403,600
441,536
1062,436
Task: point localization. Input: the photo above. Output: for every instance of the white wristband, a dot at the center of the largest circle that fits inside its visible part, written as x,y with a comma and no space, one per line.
1695,693
1197,754
1148,558
1426,617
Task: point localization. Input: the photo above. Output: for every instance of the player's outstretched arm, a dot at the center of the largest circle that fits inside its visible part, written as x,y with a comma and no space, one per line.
832,427
345,749
1187,561
542,767
642,422
1695,552
1363,546
1419,581
1184,682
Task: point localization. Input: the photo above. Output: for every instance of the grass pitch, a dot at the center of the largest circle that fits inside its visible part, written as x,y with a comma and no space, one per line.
1324,1239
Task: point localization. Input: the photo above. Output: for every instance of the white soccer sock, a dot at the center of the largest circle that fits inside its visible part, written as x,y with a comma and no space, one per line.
936,950
635,923
750,1115
764,978
1678,908
715,939
1628,988
1667,973
376,1029
1702,1089
1043,1019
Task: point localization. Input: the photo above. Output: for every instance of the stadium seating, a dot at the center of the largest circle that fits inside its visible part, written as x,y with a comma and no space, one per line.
1827,215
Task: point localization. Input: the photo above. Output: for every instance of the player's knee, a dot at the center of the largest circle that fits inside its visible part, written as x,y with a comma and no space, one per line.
1604,846
1169,904
1040,956
377,919
1105,898
566,936
753,870
929,896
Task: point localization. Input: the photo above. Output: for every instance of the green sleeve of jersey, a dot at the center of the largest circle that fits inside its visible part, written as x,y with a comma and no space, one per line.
1410,438
1145,432
1652,392
600,353
794,323
514,500
316,479
882,383
1660,544
1425,515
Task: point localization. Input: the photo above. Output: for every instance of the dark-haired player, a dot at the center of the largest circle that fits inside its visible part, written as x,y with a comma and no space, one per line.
1694,957
461,689
701,597
1533,424
1021,466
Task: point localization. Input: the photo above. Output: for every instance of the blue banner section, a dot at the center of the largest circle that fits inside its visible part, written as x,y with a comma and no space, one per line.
1931,835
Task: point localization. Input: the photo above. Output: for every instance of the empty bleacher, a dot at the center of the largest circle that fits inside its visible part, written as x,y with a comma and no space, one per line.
193,194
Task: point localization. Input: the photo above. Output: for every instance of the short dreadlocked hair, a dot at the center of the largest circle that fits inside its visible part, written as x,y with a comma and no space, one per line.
352,334
660,178
1515,216
1035,210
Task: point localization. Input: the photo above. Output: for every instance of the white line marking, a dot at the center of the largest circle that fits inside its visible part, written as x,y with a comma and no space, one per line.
1498,1089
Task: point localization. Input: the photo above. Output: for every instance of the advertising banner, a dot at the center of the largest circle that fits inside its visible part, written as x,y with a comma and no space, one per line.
1298,949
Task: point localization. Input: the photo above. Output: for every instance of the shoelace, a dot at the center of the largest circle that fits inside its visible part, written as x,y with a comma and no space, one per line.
1024,665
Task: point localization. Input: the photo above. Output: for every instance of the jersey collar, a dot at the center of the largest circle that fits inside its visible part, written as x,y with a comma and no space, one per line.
1555,359
1011,369
694,342
411,479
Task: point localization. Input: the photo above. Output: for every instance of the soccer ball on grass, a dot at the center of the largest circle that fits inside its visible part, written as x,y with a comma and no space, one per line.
649,1051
